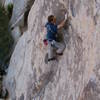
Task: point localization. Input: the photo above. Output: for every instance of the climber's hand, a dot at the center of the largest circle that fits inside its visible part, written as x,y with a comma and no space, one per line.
66,16
61,25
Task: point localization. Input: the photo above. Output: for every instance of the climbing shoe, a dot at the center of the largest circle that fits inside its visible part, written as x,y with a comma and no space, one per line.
46,60
60,54
51,59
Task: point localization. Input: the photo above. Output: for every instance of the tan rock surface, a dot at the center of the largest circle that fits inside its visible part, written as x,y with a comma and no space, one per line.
66,78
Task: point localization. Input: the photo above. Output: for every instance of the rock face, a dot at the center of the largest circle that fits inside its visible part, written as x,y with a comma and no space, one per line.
69,77
18,21
19,11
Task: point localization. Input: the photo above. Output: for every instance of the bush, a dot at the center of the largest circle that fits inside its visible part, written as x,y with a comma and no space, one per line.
6,40
9,10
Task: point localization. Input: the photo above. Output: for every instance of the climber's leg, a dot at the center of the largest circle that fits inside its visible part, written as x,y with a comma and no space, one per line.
51,53
60,47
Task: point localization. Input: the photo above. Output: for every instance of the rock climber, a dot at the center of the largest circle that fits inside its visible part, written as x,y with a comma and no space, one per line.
52,29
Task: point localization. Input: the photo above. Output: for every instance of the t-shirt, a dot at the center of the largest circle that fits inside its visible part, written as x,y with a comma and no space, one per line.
51,31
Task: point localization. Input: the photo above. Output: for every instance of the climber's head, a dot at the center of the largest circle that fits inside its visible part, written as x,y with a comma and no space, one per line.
52,19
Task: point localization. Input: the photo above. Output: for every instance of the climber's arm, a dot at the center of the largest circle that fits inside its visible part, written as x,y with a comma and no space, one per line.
61,25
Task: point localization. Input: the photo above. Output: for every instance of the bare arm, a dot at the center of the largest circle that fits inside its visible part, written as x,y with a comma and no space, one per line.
61,25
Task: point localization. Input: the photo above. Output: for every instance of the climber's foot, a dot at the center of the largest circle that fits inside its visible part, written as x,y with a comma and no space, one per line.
51,59
60,54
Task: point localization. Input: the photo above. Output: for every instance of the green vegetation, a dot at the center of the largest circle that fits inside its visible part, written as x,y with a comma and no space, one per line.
6,40
9,10
6,43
